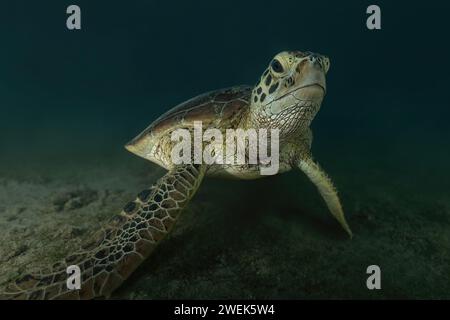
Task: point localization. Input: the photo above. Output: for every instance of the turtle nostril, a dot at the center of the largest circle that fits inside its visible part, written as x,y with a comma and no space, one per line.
325,63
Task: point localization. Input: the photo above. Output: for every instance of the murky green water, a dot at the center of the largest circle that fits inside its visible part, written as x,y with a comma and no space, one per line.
69,100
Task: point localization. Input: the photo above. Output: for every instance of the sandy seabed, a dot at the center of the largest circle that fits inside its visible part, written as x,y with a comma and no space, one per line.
269,238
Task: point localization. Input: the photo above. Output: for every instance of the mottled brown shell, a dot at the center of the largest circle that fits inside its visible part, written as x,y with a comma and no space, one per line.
221,109
212,107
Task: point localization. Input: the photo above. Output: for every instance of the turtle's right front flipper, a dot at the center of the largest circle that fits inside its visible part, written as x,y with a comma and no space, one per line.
114,252
326,190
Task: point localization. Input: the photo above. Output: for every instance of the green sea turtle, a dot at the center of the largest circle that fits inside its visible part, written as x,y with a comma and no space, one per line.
287,97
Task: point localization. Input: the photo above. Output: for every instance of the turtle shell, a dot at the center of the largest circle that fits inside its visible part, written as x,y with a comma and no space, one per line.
219,109
215,106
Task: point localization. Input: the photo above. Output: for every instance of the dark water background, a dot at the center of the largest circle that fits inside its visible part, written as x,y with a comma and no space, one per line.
384,124
98,87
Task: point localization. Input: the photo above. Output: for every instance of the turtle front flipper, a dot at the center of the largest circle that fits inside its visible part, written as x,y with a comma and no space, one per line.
326,190
114,252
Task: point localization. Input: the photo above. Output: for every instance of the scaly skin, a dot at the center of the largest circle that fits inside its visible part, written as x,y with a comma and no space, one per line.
111,255
287,97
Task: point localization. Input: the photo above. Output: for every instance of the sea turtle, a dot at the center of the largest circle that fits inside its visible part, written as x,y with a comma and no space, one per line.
287,97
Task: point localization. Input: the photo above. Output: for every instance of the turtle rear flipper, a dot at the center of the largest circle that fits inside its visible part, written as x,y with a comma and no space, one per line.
114,252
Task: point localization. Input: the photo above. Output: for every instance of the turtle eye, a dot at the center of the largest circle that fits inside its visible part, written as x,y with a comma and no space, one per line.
276,66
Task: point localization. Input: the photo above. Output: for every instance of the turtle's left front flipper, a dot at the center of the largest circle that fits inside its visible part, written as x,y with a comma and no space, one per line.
113,253
326,190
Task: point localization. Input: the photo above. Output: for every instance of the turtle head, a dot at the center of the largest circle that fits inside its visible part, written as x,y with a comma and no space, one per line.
290,91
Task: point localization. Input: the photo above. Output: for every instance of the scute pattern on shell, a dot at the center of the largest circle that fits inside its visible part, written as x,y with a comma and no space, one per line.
210,107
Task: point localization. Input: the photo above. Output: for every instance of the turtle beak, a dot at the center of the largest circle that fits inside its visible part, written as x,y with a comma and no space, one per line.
312,74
